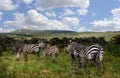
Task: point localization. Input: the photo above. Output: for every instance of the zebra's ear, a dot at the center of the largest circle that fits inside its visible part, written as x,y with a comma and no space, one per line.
70,41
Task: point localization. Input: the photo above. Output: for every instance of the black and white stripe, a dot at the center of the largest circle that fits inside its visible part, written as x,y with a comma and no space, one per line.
51,50
29,48
85,53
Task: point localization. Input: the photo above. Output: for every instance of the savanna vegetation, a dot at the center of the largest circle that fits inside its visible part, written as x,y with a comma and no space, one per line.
10,68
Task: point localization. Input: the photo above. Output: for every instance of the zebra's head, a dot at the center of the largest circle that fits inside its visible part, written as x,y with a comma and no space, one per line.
71,47
18,52
42,45
17,56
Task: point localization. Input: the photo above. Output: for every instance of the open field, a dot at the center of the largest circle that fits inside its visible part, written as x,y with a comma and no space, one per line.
10,68
107,35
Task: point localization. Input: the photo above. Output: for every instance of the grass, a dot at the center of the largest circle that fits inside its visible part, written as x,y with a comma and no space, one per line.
10,68
106,35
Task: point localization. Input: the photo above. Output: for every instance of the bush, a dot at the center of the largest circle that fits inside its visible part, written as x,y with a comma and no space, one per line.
91,40
116,40
113,49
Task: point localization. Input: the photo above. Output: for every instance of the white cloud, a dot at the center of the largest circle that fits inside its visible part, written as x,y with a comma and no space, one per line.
82,29
43,4
27,1
82,11
102,23
71,21
4,30
7,5
1,13
112,24
35,20
50,14
116,12
18,22
68,12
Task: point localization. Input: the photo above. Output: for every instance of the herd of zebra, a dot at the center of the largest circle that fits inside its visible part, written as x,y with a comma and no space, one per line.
77,51
37,48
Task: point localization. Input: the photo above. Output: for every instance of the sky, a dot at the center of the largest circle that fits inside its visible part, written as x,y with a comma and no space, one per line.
75,15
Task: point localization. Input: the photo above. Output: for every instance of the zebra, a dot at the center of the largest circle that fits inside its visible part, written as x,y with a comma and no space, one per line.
73,55
29,48
51,50
85,53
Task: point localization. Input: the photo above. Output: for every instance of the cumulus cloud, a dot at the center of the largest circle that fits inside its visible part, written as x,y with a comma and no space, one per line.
27,1
1,13
71,21
50,14
7,5
82,11
68,12
18,22
116,12
112,24
47,4
82,29
35,20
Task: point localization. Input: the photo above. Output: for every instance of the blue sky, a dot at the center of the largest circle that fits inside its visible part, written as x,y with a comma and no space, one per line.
76,15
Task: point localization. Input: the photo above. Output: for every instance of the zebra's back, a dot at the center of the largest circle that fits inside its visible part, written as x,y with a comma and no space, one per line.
31,48
52,49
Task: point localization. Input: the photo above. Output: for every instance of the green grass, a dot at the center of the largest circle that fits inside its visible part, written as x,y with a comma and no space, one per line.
10,68
107,35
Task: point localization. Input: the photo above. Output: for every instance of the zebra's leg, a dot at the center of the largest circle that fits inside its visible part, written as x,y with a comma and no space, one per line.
38,55
82,62
79,61
87,68
102,66
45,54
96,64
101,62
73,59
25,56
54,57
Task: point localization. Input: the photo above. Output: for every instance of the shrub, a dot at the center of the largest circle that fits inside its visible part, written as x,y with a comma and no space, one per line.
113,49
116,40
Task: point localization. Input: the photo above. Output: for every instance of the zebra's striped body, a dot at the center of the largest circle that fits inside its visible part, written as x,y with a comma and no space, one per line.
29,48
51,50
85,53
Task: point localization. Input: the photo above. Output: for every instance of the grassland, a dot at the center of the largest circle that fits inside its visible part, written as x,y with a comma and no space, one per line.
107,35
10,68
